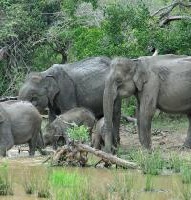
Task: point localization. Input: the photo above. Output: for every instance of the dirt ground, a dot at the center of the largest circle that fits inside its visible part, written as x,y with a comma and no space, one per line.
166,140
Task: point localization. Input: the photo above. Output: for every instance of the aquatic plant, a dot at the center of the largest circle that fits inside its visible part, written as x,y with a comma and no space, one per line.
186,173
65,185
5,181
151,163
29,184
149,183
185,193
122,186
174,163
43,186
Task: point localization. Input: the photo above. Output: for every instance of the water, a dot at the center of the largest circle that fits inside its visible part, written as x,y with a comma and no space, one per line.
22,168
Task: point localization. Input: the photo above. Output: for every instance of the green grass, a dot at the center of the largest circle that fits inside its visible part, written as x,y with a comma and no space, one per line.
169,122
121,186
174,163
186,173
149,183
29,184
150,163
5,181
185,192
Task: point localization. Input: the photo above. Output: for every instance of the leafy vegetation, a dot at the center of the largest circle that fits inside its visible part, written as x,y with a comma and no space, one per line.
79,133
34,35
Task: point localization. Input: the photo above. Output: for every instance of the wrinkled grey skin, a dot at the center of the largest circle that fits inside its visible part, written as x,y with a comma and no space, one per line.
63,87
98,135
162,82
20,123
56,132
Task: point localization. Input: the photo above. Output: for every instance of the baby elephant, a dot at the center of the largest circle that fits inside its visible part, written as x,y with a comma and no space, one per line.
56,132
20,122
97,135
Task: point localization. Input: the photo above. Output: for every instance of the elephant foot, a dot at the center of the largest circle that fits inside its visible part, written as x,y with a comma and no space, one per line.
187,143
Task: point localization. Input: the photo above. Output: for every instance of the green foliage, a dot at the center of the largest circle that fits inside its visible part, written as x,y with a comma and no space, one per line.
38,33
129,106
79,133
88,42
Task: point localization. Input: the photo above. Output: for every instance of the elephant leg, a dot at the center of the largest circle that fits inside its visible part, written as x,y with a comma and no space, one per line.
97,141
6,141
116,121
187,142
33,145
148,100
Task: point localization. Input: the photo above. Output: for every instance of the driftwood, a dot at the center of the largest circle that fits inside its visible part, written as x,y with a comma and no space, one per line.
77,155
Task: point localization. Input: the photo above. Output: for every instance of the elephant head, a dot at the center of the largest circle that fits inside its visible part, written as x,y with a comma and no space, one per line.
39,89
126,77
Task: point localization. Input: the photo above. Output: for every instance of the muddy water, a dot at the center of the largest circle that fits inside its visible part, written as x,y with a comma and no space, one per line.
20,168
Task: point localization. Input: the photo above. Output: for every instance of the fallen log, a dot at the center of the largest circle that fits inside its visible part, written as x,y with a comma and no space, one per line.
76,154
107,157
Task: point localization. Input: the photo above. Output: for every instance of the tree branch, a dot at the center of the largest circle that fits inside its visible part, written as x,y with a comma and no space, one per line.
173,18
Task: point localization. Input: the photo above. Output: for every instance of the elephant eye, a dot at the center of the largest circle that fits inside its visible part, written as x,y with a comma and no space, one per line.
118,81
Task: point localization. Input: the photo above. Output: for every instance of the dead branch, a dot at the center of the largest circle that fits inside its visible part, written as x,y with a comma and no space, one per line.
164,13
173,18
76,154
169,8
107,157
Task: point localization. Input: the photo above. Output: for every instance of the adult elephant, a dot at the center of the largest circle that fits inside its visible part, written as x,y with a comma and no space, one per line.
63,87
162,82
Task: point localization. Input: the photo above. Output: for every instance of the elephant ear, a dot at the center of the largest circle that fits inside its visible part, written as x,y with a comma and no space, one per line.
140,76
2,118
52,88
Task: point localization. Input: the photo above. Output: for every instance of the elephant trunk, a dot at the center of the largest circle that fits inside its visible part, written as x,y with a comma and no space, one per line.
110,94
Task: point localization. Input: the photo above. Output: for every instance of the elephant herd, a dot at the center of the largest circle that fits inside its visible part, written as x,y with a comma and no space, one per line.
89,92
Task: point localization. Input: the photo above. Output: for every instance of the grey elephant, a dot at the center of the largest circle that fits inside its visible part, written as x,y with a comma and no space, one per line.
56,132
162,81
98,138
65,86
20,122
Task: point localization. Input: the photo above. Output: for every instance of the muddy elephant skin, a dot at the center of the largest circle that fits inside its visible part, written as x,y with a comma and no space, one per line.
20,123
65,86
56,131
161,81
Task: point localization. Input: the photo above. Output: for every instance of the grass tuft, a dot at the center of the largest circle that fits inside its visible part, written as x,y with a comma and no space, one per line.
5,181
